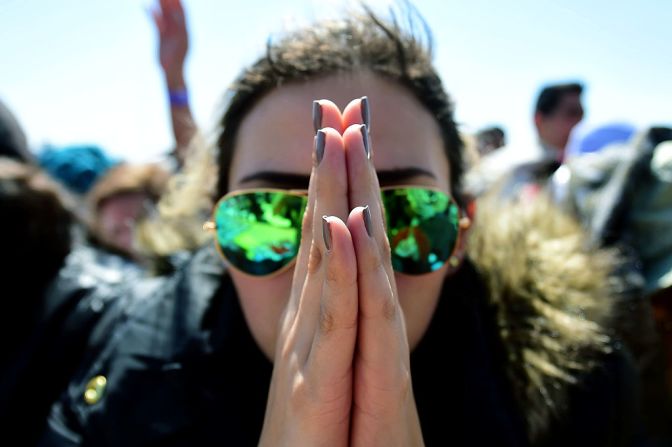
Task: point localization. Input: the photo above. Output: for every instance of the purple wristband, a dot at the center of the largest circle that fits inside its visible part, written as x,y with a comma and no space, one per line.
178,98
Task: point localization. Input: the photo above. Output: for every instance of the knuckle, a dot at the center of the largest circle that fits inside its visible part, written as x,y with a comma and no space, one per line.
299,394
406,384
374,265
388,307
385,250
307,227
339,283
315,259
330,321
327,320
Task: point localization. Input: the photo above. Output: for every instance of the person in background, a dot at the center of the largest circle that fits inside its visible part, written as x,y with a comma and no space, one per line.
622,194
525,171
171,26
557,111
125,195
53,294
320,324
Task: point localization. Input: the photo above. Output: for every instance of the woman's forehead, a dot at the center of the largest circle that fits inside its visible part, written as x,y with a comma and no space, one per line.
277,134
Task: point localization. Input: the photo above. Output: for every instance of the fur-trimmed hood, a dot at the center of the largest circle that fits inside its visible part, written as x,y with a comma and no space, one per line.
551,297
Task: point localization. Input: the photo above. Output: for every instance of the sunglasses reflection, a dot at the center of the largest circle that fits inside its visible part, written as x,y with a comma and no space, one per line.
258,232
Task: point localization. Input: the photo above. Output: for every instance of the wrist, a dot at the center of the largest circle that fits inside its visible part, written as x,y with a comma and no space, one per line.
175,81
178,97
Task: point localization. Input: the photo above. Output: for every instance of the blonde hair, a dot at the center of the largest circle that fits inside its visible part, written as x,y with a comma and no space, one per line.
183,207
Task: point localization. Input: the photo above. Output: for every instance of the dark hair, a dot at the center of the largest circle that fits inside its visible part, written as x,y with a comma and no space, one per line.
550,96
357,42
13,142
490,138
36,226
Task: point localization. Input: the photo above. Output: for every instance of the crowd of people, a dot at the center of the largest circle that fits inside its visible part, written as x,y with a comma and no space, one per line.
308,280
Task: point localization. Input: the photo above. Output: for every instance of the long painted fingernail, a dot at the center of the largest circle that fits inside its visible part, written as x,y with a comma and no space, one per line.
317,115
365,139
366,213
326,232
320,141
366,115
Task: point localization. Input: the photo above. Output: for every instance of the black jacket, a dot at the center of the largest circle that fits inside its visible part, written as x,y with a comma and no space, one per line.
183,369
46,332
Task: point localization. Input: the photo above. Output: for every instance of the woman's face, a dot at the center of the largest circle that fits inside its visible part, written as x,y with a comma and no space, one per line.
276,137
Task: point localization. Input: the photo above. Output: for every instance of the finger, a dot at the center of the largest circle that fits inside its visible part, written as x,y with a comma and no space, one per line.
179,8
332,350
177,13
326,114
330,198
381,334
357,112
363,186
158,20
327,195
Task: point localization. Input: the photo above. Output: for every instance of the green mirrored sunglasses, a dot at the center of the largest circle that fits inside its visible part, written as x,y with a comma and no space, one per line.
259,231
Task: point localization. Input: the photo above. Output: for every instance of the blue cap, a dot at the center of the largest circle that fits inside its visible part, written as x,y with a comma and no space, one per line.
76,166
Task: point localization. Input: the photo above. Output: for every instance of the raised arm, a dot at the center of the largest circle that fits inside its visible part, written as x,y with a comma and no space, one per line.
173,48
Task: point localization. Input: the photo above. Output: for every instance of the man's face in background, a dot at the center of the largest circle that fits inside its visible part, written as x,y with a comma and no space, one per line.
554,128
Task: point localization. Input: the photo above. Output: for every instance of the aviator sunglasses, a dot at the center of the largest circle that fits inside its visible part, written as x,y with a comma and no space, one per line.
258,231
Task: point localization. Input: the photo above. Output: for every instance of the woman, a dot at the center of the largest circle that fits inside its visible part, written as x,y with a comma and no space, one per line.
328,329
121,199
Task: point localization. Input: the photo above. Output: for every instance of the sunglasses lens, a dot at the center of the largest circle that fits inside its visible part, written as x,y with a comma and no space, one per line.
422,227
259,232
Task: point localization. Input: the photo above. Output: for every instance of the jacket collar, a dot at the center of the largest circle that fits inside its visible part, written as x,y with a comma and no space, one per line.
549,295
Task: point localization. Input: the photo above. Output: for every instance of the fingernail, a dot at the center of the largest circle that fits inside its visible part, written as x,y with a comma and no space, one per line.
366,116
320,140
326,232
365,139
366,213
317,115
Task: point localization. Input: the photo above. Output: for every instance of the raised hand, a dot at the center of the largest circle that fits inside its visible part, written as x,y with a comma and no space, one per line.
173,39
311,388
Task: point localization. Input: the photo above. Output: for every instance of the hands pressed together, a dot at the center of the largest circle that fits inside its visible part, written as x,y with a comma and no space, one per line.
342,370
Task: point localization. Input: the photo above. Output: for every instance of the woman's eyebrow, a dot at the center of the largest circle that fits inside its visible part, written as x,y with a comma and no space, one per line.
289,180
403,174
279,179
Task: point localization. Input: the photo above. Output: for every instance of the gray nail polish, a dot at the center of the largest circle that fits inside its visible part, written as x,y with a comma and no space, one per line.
326,232
366,114
366,213
365,139
320,141
317,116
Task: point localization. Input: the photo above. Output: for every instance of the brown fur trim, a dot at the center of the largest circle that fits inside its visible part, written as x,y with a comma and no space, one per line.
551,299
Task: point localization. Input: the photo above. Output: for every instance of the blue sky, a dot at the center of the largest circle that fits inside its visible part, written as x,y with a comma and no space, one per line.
85,71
